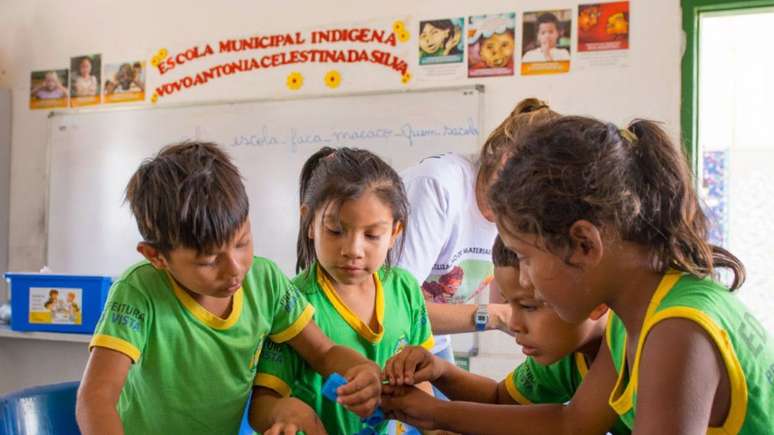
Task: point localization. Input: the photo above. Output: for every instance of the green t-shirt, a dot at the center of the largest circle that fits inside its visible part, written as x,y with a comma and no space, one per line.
744,345
403,322
531,382
193,371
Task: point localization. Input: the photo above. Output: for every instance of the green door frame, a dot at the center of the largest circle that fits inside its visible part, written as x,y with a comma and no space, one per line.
689,119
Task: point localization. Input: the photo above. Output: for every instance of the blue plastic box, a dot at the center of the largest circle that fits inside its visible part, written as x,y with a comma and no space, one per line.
56,303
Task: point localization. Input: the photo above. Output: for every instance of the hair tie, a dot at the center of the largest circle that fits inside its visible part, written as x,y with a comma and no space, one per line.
628,135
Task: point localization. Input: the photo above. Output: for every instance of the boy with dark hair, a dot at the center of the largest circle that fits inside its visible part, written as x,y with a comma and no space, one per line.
558,355
177,345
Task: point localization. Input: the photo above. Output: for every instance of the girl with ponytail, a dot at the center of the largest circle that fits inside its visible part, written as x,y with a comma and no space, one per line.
599,215
353,208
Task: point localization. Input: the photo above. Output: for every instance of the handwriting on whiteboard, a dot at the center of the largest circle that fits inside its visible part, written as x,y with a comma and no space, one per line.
407,134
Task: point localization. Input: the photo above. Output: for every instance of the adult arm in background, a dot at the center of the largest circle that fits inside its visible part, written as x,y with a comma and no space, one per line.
425,236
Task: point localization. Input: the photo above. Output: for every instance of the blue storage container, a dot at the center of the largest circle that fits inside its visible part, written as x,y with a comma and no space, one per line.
56,303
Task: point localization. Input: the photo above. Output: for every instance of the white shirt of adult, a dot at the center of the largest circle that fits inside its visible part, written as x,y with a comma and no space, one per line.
447,242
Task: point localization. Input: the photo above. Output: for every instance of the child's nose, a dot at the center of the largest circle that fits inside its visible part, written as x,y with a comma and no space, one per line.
353,247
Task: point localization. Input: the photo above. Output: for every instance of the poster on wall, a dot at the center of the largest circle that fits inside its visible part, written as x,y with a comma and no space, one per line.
124,82
441,48
546,42
48,89
603,34
85,73
491,44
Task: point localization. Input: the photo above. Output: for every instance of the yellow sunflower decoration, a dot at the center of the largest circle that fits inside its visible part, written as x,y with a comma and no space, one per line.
332,79
398,26
295,80
154,98
159,57
404,36
405,78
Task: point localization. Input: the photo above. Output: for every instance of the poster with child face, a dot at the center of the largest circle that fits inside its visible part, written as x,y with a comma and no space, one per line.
48,89
546,47
124,82
491,43
85,73
603,26
440,41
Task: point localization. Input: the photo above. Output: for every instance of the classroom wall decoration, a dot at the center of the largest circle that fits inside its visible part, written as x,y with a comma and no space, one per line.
546,42
603,26
351,57
48,89
322,58
124,82
491,44
85,74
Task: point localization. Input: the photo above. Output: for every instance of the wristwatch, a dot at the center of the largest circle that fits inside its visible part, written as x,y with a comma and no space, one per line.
481,317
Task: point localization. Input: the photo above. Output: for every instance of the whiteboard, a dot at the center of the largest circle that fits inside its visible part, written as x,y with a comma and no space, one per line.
93,154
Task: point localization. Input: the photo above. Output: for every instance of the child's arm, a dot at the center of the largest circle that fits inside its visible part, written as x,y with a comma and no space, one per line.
270,413
587,413
361,394
680,375
416,364
99,391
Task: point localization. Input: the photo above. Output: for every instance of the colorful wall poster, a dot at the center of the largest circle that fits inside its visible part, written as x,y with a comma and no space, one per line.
85,73
491,44
48,89
546,36
55,305
715,194
603,26
124,82
440,41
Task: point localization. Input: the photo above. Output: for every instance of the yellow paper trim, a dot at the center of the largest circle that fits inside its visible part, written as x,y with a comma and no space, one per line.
355,322
510,385
117,344
297,326
273,383
205,316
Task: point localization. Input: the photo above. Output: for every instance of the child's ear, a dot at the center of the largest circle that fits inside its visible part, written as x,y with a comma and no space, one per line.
152,254
587,242
598,312
396,231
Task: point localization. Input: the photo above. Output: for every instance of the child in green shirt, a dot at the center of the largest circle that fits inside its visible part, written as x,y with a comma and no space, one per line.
177,346
353,208
558,353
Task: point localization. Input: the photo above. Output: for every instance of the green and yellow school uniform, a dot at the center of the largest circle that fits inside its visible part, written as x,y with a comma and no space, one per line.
401,318
193,371
532,383
745,347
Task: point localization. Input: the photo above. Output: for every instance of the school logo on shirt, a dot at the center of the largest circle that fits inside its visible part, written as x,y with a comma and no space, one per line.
290,299
125,315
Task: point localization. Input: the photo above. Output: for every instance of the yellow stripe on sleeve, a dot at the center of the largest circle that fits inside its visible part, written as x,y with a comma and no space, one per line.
510,385
429,343
273,383
117,344
297,326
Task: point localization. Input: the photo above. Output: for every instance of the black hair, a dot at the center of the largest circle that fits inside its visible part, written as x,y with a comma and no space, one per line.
502,256
331,176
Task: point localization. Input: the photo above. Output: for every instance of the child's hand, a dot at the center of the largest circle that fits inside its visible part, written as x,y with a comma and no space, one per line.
362,392
412,366
295,416
410,405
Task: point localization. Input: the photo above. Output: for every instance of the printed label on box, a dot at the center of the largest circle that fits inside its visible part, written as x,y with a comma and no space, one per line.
61,306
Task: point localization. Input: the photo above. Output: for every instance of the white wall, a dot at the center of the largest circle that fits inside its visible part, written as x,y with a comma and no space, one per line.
45,33
5,184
